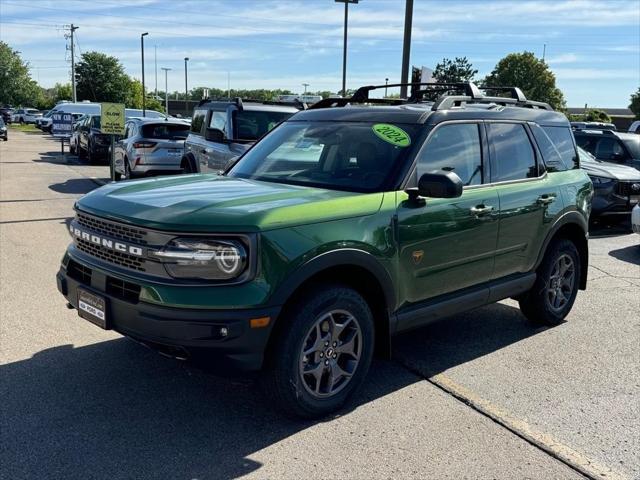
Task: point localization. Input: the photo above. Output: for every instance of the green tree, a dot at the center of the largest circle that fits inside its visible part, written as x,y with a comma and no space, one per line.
453,71
596,116
101,78
531,75
16,85
134,97
634,106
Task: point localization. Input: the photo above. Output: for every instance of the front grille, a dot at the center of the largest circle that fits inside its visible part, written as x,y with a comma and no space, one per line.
124,290
79,272
115,230
626,188
117,258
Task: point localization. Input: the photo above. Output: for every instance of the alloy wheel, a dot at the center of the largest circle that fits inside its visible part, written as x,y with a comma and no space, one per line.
330,353
561,282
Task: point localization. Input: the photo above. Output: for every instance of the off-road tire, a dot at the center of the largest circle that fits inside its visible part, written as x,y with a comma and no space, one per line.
536,303
283,382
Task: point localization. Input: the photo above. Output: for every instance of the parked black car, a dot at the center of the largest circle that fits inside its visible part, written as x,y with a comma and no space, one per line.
609,146
92,143
6,113
3,130
616,187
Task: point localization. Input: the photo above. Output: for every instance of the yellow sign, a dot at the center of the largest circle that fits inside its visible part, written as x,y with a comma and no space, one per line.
112,118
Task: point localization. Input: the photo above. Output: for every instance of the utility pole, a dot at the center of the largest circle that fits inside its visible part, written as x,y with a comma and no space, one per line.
544,51
166,91
406,48
155,61
74,97
144,100
305,85
186,90
344,47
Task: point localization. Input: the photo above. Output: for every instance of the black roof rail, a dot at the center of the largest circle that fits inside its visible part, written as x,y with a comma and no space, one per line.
515,92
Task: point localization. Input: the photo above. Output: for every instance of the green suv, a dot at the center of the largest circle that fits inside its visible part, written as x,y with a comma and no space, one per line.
346,224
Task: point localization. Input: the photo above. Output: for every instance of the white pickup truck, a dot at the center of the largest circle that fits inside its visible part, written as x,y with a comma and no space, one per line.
25,115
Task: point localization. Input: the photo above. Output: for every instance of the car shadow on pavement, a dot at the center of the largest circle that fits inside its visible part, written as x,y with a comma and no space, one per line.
609,228
629,254
78,186
115,409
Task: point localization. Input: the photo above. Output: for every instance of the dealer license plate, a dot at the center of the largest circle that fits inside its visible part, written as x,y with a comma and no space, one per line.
93,308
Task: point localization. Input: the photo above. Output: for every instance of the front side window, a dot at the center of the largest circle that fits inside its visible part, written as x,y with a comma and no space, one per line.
454,148
197,121
251,125
347,156
513,157
219,121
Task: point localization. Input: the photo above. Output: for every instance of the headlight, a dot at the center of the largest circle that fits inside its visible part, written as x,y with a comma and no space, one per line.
601,181
203,258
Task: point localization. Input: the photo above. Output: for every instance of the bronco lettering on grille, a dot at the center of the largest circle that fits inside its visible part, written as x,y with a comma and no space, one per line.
106,242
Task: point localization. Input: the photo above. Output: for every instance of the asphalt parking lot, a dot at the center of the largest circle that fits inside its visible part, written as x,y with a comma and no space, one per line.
480,395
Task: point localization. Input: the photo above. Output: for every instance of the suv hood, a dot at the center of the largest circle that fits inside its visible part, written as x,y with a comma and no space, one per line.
609,170
211,203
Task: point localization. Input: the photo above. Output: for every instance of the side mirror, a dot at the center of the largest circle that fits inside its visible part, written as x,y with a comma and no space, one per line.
438,184
214,135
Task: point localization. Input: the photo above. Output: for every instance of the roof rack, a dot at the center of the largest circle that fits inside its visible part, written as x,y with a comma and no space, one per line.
463,93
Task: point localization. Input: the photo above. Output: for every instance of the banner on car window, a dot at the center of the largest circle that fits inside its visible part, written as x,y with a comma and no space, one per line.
61,124
112,118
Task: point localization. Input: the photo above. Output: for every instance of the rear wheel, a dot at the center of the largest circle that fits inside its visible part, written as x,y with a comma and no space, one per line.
322,353
554,292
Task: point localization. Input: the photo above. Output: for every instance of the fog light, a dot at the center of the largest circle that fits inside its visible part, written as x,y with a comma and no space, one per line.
224,331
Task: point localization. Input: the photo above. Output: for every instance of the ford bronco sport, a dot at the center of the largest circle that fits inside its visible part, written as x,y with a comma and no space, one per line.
348,223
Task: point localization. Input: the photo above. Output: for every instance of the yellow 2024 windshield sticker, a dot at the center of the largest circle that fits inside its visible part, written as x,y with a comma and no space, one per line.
392,134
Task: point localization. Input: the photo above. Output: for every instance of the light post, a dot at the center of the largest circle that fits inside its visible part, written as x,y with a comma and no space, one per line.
386,80
344,48
305,85
166,91
406,47
186,90
144,105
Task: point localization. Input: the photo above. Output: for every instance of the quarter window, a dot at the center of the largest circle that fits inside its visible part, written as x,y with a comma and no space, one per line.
454,148
562,138
513,156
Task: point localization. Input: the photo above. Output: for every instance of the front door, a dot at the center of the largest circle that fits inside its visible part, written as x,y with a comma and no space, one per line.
448,244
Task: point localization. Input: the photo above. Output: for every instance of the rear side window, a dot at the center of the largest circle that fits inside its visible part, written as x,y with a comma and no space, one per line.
251,125
454,148
219,121
165,131
197,121
562,139
513,157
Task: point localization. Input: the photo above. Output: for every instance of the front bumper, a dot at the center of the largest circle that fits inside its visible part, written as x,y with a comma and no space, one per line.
606,202
178,332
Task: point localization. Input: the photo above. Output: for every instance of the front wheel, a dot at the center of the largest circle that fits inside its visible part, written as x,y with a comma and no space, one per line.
556,287
321,353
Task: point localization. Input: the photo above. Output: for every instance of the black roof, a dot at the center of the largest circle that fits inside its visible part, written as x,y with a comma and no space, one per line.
422,113
432,103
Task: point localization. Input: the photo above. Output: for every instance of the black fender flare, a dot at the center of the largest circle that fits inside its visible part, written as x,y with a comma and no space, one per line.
338,258
570,218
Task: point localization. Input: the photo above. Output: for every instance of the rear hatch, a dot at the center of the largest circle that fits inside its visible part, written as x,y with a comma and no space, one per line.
162,143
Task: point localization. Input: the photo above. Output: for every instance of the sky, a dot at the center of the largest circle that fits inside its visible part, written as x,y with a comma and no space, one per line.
593,47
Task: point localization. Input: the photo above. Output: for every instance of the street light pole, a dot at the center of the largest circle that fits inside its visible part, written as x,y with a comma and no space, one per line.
166,91
155,62
186,90
305,85
406,48
144,105
344,47
386,80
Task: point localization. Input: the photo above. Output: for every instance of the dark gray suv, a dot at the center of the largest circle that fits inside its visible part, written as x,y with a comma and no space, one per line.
223,130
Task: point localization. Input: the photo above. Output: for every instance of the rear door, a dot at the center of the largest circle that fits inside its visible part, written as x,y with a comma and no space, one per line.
195,143
529,199
448,244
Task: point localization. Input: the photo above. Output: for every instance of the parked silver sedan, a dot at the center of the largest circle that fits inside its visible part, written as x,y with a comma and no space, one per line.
150,146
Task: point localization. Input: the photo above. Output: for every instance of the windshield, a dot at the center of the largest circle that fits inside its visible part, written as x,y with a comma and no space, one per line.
165,131
633,144
348,156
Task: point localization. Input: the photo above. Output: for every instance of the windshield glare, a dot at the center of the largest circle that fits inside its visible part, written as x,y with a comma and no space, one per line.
633,144
336,155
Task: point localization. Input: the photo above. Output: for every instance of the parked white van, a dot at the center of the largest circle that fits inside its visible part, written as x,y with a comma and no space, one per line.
92,108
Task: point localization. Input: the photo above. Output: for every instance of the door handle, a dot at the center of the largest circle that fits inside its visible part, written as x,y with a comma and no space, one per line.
546,199
480,210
